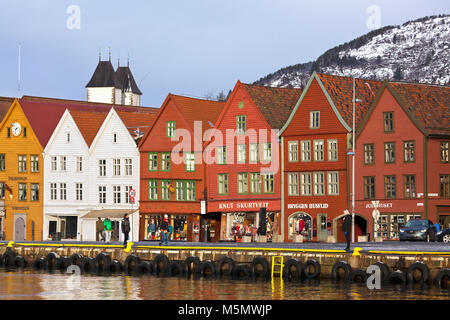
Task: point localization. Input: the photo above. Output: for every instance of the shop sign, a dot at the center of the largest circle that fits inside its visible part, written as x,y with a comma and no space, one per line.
203,207
243,205
380,205
307,205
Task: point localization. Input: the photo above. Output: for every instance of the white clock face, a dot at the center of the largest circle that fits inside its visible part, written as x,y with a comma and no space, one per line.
16,128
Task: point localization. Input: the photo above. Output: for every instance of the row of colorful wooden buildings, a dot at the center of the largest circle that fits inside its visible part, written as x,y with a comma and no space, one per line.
278,158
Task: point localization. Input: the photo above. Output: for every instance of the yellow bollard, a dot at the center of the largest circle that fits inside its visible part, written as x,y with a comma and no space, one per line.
129,245
356,252
10,244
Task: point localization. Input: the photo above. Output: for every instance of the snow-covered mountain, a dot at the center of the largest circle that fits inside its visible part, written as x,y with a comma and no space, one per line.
416,51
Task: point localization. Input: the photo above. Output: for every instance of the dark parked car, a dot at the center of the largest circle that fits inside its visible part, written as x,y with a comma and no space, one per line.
420,229
444,236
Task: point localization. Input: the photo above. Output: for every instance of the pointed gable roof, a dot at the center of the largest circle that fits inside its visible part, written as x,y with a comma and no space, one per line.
125,80
104,76
428,105
340,90
88,123
275,104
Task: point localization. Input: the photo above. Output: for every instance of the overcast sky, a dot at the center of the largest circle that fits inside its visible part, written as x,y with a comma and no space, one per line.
190,47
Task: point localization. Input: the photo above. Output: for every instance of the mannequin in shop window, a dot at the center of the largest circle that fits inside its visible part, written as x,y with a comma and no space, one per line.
301,226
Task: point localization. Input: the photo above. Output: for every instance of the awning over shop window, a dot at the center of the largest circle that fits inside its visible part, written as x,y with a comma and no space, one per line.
105,213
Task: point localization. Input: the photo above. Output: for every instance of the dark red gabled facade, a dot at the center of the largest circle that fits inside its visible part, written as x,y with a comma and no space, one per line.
402,158
315,141
172,183
248,179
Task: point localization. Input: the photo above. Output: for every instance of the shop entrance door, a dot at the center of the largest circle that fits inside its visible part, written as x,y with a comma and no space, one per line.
444,221
19,228
322,227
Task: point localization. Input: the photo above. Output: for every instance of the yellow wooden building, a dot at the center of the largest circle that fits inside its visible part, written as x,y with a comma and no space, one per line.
21,177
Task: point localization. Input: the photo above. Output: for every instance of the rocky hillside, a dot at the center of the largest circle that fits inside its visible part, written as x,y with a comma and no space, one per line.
418,50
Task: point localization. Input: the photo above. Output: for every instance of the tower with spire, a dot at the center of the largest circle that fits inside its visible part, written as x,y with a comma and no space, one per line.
114,87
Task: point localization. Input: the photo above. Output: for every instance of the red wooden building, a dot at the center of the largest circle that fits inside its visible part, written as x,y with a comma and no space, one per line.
402,158
315,141
244,170
172,170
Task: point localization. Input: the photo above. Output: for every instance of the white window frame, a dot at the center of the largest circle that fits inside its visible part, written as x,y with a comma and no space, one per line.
293,151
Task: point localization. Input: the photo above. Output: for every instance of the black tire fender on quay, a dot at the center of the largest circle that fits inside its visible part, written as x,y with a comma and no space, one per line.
20,262
62,263
385,271
443,279
145,267
50,259
242,271
39,264
205,266
292,269
131,263
192,261
174,269
9,259
228,262
359,275
115,267
264,265
397,277
315,265
75,258
103,261
88,265
347,271
160,262
419,265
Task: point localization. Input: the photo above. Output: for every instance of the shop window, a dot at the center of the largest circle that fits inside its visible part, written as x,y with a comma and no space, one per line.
152,227
179,224
300,224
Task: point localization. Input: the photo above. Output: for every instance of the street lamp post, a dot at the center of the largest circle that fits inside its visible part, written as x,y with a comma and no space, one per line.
353,166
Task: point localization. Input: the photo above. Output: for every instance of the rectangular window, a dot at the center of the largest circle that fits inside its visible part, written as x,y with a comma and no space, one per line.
242,180
332,150
293,151
179,190
53,191
369,187
22,163
306,150
128,167
293,184
255,182
102,167
409,186
22,192
102,194
62,191
221,155
369,153
190,161
79,191
388,122
116,167
165,161
267,152
390,187
2,190
116,195
269,182
333,183
444,183
319,183
8,132
152,189
63,163
165,192
306,184
409,154
127,194
389,152
79,164
54,164
34,192
241,153
241,124
152,161
222,181
190,190
318,150
24,132
171,129
314,119
2,162
254,152
444,151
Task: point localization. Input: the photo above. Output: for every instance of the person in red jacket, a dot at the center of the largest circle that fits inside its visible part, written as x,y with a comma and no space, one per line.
301,226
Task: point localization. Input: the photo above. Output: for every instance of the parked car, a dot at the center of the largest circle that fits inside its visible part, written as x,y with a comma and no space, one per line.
444,236
419,229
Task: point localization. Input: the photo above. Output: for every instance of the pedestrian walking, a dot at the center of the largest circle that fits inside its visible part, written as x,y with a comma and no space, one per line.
165,230
99,229
126,228
107,228
347,228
